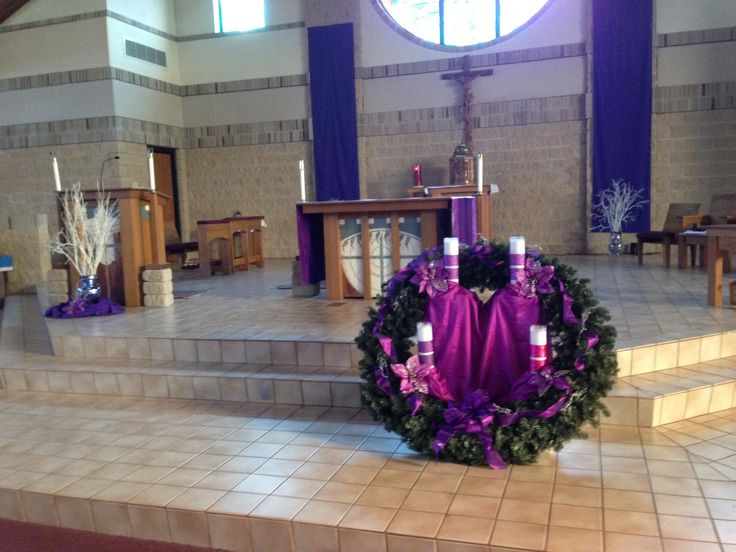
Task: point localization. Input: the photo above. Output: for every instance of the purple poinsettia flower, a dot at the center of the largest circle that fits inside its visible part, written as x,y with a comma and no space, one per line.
430,276
414,375
537,279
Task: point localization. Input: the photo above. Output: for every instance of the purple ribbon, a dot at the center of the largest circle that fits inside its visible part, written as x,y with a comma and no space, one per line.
538,383
382,381
568,316
472,416
591,340
387,345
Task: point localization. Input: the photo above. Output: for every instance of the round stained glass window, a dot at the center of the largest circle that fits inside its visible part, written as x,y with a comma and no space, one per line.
459,23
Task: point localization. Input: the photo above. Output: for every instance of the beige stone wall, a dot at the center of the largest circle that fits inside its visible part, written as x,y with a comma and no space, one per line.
28,247
255,180
693,158
539,169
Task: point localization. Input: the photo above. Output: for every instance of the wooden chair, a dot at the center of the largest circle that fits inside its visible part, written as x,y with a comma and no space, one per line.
176,250
722,211
676,221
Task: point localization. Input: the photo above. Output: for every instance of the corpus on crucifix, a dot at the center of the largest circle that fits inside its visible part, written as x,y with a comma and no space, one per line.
466,78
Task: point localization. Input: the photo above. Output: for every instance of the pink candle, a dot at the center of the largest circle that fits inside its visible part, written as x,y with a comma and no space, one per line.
424,343
517,253
452,263
417,168
537,347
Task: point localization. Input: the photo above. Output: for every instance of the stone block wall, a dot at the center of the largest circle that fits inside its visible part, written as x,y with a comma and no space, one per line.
28,245
693,159
255,180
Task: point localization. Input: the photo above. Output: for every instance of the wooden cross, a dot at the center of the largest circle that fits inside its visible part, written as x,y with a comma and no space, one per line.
466,78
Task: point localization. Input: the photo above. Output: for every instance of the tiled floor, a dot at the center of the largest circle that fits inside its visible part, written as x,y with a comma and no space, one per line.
647,304
260,477
185,471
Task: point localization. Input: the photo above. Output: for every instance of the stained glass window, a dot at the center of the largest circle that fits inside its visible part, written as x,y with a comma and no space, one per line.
238,15
460,22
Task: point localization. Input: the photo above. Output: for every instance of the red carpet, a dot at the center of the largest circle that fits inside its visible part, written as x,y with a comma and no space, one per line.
16,536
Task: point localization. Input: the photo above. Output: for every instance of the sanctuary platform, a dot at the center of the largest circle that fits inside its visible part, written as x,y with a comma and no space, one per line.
232,420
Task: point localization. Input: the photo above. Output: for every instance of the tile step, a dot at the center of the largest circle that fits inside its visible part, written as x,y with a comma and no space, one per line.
292,385
666,396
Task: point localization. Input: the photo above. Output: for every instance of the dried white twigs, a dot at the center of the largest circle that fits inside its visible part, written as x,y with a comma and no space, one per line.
617,205
84,239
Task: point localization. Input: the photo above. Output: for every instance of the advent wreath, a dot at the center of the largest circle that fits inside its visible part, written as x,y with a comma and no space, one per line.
538,410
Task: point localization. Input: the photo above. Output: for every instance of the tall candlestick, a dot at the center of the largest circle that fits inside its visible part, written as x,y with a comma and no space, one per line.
55,165
537,346
479,171
424,343
452,264
151,172
517,252
302,181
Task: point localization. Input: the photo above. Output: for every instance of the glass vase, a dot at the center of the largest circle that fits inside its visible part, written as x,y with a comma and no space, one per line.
615,244
89,289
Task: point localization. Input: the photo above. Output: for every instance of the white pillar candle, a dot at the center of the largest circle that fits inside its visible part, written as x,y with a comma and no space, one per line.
302,181
537,346
452,264
537,334
517,252
424,331
517,245
424,343
151,171
55,166
479,172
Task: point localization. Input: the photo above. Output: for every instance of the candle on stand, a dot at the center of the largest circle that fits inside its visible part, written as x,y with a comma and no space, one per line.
417,169
424,343
479,172
151,172
55,165
452,264
517,252
302,181
537,347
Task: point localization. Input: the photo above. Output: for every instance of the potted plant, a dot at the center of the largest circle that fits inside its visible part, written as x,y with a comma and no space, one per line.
614,207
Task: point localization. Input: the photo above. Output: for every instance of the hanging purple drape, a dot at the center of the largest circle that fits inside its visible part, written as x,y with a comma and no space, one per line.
622,99
310,238
334,117
464,219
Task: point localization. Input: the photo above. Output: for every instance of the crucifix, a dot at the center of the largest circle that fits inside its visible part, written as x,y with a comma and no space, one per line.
466,78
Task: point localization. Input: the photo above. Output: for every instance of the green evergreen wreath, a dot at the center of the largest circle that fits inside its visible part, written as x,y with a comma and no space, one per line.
584,363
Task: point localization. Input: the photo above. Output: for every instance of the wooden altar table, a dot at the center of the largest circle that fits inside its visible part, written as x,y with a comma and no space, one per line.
484,201
319,226
720,239
243,243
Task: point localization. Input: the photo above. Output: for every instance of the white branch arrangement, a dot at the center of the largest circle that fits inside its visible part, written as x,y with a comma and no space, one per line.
617,205
83,240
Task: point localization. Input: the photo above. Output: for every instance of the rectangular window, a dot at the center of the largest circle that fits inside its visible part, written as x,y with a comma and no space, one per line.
238,15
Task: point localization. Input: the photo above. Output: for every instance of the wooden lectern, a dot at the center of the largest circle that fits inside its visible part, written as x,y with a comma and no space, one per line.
139,242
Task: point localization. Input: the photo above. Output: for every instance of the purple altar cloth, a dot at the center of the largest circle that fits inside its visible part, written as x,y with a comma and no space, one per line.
480,346
103,307
310,236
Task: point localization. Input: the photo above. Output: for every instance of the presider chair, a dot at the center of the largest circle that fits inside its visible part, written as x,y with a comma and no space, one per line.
675,222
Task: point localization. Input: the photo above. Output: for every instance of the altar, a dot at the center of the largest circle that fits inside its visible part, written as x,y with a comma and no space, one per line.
332,237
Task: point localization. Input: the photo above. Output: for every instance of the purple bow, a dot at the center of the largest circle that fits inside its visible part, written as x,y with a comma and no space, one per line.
539,383
472,416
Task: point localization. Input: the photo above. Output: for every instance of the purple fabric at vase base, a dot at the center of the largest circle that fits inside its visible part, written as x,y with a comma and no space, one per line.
80,309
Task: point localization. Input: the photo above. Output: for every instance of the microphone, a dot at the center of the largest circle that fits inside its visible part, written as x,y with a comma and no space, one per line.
102,168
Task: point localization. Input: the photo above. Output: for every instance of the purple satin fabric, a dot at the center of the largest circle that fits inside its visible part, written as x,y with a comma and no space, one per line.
464,219
482,346
104,307
309,233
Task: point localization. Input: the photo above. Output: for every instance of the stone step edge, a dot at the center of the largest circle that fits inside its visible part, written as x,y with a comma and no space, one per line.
334,390
643,359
